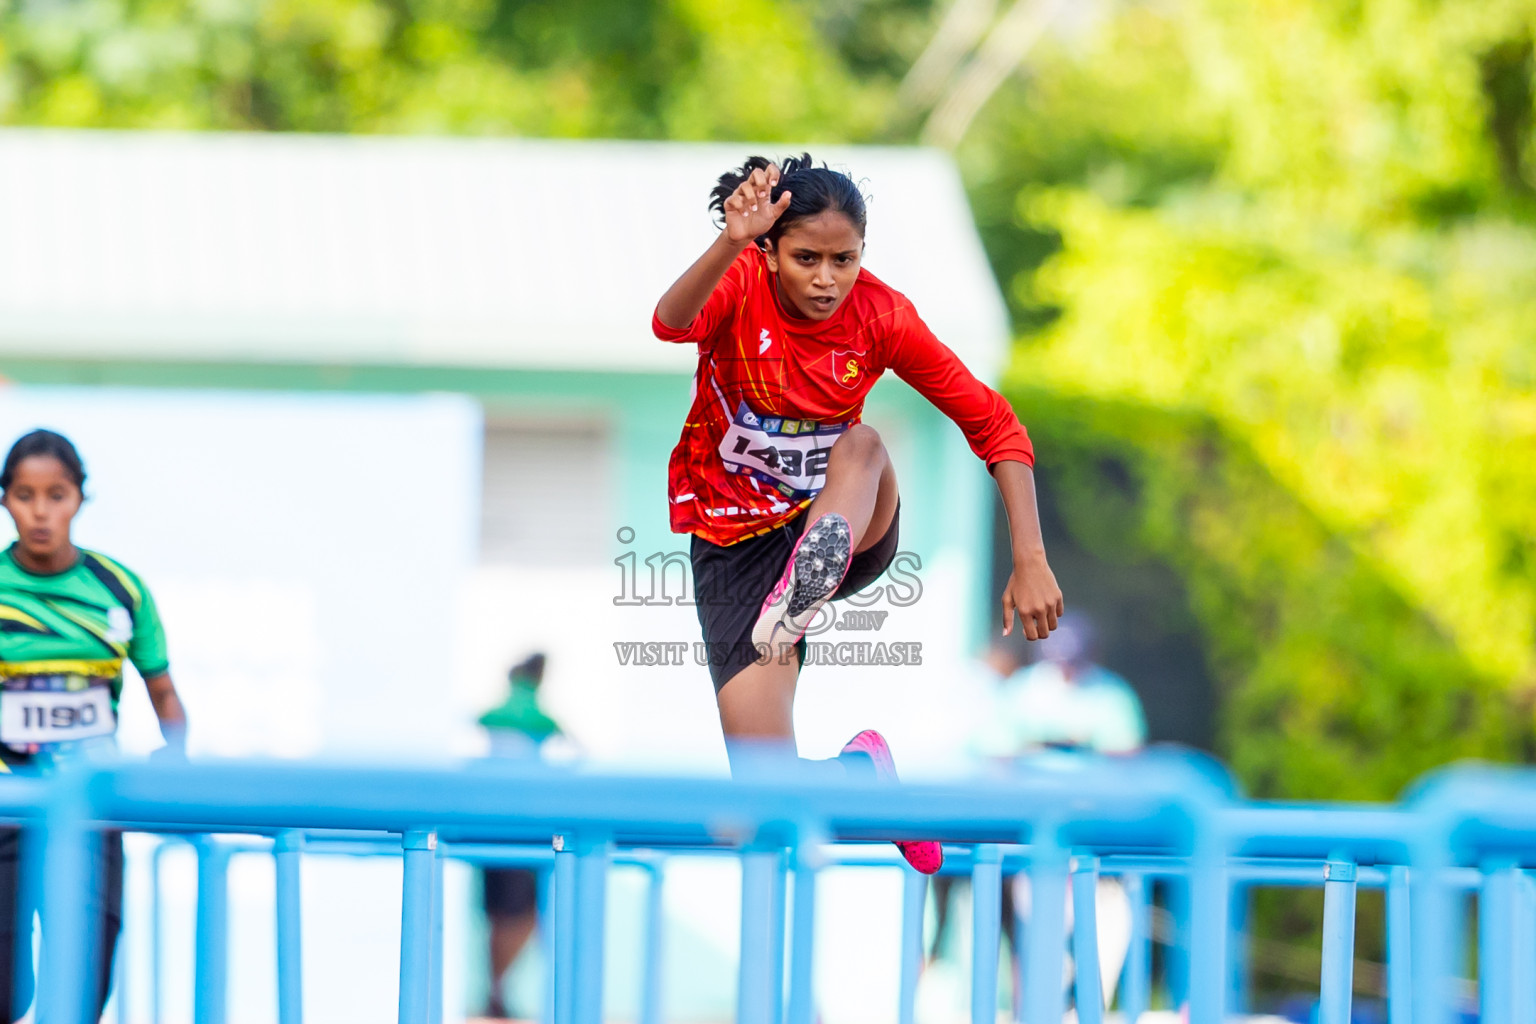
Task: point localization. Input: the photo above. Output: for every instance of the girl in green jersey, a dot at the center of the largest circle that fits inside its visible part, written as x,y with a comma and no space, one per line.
68,620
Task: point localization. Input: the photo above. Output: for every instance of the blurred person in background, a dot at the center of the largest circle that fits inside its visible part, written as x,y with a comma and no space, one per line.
518,728
68,619
1065,701
791,500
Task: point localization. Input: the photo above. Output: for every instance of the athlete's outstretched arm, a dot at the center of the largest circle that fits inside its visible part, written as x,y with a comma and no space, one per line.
173,717
994,434
1032,591
748,214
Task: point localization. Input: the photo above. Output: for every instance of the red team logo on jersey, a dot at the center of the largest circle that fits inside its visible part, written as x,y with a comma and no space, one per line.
845,368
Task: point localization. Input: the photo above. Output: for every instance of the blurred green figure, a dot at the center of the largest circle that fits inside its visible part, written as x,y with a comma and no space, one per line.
517,727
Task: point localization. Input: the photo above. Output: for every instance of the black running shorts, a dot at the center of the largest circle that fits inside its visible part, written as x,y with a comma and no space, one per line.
510,892
731,583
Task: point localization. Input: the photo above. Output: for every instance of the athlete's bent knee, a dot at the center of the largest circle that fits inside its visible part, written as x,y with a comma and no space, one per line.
860,443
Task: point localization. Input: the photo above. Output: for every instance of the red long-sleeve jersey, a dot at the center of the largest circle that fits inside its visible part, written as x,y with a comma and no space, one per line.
773,392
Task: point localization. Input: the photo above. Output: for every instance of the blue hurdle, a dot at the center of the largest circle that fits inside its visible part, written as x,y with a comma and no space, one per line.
1467,832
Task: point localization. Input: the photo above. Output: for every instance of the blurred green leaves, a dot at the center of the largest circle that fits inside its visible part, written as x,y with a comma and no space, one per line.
1310,224
629,68
1335,685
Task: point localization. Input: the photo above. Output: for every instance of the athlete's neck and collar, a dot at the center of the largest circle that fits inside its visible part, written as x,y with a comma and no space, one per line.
68,559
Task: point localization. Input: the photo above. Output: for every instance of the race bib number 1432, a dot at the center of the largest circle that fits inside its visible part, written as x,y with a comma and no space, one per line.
787,455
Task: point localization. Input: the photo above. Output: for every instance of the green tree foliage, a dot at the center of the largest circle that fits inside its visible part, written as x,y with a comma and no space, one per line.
1336,684
1310,225
628,68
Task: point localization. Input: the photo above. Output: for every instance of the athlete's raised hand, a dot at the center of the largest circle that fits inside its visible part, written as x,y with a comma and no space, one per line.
749,214
748,211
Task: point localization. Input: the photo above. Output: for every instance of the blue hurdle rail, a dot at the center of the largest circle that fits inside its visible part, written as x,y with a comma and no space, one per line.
1470,830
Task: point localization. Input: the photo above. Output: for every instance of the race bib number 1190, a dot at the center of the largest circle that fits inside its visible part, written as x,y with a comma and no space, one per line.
787,455
30,716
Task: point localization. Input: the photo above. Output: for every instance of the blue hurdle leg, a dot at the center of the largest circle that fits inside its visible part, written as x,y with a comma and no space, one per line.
435,979
986,931
914,895
1337,987
1524,995
210,1002
1399,949
156,932
1204,932
780,919
655,909
1176,890
546,910
287,852
591,912
759,994
122,980
1136,985
63,869
1436,912
416,927
802,946
1506,945
1497,944
1045,938
1237,949
1089,989
1015,926
563,995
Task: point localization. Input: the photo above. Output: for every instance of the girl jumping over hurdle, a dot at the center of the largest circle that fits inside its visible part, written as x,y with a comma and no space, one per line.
791,500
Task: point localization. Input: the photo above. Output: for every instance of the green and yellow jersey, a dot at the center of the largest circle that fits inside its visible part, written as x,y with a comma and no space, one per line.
63,639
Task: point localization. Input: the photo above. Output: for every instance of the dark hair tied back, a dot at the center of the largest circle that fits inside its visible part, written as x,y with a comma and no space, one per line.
813,191
43,442
530,669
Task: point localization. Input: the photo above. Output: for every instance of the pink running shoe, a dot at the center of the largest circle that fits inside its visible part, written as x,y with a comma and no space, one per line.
816,568
925,856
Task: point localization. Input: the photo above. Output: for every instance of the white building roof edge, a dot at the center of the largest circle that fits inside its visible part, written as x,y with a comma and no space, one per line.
417,251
